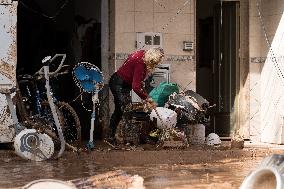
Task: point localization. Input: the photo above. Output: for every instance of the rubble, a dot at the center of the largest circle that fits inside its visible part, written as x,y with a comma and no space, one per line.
190,107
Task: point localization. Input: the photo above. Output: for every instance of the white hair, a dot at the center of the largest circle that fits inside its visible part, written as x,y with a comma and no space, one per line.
153,57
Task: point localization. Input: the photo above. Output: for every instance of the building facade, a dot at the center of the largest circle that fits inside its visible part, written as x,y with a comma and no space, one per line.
228,51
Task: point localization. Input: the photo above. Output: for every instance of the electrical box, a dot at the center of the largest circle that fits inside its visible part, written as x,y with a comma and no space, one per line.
160,74
145,40
187,46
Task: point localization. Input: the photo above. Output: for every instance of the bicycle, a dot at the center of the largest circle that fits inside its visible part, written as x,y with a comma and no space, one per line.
37,103
46,122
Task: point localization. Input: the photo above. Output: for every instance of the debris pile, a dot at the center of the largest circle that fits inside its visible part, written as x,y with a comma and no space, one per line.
182,116
191,108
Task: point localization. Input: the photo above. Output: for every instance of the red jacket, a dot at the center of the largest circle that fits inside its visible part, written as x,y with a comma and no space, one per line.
134,71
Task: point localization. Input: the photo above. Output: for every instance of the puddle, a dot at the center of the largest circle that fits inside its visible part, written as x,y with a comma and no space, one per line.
228,173
225,174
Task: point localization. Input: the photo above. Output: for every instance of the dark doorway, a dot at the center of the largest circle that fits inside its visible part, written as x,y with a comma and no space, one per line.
50,27
218,62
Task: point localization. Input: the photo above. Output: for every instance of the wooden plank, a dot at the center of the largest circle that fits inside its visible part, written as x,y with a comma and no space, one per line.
111,179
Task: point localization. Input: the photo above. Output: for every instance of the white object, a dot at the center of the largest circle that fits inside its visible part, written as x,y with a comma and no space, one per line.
269,174
166,118
197,133
29,144
187,45
264,177
95,99
160,74
271,92
137,182
52,106
213,139
49,184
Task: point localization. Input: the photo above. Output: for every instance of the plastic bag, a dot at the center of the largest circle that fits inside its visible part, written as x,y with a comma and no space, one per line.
166,118
161,93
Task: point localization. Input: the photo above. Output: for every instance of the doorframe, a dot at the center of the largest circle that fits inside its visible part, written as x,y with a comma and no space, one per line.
242,102
228,115
242,114
242,124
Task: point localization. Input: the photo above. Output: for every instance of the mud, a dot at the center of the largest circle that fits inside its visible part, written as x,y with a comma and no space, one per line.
7,70
187,168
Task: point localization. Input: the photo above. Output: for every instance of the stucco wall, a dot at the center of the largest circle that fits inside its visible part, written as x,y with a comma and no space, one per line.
8,57
178,20
271,12
133,16
243,116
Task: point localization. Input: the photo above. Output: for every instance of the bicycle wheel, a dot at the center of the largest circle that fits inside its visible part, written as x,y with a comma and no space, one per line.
70,123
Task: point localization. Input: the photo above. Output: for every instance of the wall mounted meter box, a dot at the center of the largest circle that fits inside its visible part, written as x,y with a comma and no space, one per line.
146,40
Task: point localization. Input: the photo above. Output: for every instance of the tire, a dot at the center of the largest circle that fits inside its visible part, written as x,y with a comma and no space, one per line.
69,121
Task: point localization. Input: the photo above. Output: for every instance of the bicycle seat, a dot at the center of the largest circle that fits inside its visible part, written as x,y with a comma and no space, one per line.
25,77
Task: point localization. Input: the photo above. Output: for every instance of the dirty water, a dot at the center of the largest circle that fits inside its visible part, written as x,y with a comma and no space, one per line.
221,175
227,173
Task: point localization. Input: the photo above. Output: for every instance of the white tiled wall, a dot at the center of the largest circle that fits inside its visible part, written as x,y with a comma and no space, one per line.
133,16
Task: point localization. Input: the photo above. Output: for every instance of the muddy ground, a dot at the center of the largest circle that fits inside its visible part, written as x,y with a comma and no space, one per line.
193,167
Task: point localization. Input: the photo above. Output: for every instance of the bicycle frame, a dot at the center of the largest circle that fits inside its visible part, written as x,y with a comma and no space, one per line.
46,61
39,107
28,141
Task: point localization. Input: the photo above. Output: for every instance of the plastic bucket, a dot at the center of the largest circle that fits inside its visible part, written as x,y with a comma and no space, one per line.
49,184
197,133
264,178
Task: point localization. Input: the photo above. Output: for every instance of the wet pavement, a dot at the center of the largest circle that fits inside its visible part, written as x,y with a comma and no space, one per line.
225,172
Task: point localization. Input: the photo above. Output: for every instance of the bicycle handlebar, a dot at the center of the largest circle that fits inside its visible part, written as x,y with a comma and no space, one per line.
47,60
60,65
